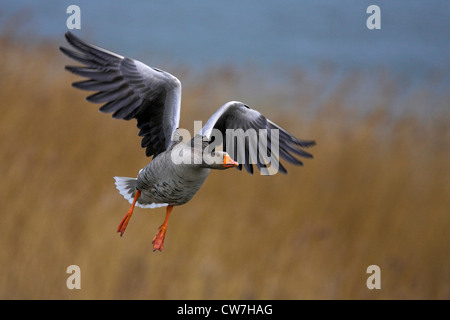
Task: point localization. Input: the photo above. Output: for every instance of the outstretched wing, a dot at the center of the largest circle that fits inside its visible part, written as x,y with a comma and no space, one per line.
129,89
236,115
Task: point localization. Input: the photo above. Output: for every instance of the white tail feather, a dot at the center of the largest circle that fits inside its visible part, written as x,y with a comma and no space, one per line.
127,188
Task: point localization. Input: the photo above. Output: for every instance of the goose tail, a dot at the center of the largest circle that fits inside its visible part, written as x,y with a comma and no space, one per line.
127,188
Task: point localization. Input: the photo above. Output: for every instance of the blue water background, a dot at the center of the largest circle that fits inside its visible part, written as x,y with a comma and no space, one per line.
273,37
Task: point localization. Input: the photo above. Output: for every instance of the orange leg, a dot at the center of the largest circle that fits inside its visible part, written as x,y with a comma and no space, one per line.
158,240
123,224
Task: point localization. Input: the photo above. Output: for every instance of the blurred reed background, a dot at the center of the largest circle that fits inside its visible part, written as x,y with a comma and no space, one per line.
377,192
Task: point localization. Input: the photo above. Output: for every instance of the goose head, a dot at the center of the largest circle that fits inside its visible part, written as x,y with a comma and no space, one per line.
218,160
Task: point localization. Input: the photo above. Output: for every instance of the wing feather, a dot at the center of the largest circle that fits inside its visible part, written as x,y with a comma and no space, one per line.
129,89
236,115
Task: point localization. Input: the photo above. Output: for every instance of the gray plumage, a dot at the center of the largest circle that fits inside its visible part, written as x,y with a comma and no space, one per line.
236,115
166,182
129,89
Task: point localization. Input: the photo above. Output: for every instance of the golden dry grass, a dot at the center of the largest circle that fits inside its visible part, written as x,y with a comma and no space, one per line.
377,192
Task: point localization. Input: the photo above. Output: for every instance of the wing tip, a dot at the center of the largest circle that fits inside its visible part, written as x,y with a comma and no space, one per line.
305,143
71,69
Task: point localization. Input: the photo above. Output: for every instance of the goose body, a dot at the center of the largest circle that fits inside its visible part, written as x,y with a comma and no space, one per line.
162,182
129,89
165,182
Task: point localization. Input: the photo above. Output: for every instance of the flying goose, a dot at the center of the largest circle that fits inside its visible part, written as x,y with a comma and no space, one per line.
129,89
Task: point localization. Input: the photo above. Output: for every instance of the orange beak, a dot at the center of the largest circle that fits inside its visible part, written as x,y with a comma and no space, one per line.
228,162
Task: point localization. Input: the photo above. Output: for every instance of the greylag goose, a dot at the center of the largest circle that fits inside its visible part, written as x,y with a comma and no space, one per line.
129,89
